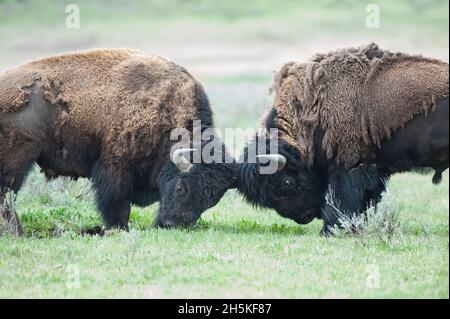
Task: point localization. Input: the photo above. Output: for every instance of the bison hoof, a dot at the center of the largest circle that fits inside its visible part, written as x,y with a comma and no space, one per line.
10,224
327,231
93,231
112,232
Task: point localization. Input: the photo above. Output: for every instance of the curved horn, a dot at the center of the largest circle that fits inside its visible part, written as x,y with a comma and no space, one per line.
180,161
278,158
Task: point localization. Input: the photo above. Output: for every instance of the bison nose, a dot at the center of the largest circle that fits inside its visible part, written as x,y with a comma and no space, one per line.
165,224
307,218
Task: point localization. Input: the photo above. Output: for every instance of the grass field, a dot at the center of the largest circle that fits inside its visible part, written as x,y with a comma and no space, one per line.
237,250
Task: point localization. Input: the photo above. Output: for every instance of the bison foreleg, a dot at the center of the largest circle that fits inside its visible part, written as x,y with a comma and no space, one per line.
117,215
112,191
9,214
10,184
350,194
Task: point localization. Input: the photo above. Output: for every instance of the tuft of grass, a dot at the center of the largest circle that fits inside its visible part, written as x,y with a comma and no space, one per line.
380,224
9,204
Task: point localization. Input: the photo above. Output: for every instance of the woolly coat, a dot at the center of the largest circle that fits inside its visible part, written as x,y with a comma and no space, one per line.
124,100
357,96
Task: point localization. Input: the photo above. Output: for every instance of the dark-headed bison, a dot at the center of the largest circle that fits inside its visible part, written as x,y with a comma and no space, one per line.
108,115
347,121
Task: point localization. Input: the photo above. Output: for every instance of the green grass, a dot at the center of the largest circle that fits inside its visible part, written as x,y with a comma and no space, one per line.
101,11
237,251
300,18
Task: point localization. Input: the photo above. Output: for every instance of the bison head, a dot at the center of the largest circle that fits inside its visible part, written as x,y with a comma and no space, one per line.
293,191
188,189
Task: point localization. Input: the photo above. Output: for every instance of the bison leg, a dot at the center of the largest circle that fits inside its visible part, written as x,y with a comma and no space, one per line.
16,159
22,138
352,193
116,215
9,215
439,169
112,188
11,183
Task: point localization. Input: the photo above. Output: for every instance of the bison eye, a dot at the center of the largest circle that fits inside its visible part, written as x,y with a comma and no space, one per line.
287,183
180,188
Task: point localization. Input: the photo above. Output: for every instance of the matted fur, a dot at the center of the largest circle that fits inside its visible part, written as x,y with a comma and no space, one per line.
127,99
357,96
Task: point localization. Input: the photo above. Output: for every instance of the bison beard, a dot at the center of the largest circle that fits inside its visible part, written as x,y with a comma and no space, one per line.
105,115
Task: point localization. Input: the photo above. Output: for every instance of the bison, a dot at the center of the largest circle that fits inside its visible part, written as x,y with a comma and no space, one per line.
348,120
107,115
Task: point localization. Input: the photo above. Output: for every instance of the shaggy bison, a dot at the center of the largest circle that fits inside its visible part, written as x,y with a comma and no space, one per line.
347,121
107,115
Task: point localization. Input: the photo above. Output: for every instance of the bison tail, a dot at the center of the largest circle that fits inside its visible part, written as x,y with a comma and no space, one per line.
437,177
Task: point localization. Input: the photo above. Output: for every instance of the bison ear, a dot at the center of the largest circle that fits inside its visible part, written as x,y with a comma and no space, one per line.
181,162
278,158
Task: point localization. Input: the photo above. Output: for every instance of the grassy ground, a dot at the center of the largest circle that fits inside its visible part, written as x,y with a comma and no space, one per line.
237,251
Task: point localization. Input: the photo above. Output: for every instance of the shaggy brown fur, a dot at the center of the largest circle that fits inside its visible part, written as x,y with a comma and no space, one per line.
111,108
124,88
357,96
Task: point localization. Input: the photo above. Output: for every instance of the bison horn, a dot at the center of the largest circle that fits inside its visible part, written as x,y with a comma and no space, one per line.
278,158
180,161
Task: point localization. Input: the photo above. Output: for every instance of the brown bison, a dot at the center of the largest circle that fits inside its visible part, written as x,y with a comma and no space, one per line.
347,121
107,115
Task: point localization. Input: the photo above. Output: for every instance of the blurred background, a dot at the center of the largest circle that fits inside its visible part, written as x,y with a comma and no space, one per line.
231,46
